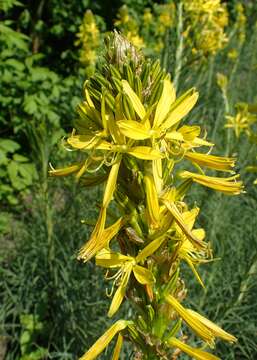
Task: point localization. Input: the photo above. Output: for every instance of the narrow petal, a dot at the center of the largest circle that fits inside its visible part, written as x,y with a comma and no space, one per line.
117,349
195,353
120,292
145,153
65,171
111,183
211,161
99,241
143,275
104,340
87,142
180,108
215,329
133,129
107,258
181,223
167,98
195,324
150,249
226,185
152,200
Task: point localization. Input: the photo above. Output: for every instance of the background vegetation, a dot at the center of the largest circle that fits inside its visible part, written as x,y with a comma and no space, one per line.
52,305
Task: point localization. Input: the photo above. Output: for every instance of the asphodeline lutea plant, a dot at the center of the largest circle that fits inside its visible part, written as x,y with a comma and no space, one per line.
131,135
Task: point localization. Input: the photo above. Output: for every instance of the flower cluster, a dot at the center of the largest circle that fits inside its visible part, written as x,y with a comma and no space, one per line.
89,41
206,21
131,136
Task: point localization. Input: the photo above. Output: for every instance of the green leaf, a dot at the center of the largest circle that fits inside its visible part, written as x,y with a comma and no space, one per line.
20,158
9,145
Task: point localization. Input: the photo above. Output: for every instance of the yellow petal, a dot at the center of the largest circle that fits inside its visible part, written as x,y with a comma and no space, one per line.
215,329
181,223
226,185
99,241
107,258
189,133
111,183
86,142
104,340
117,349
133,129
157,174
120,292
174,135
201,142
211,161
150,249
187,258
180,108
143,275
145,153
152,200
65,171
167,98
195,353
137,105
195,324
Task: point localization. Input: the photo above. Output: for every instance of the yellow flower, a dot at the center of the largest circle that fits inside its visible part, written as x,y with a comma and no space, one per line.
203,327
127,264
105,339
226,185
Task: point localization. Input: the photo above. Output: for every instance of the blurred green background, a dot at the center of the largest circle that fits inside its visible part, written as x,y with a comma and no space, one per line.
53,307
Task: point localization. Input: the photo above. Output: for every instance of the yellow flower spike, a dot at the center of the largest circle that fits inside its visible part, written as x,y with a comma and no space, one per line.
195,324
65,171
117,349
104,340
226,185
167,98
111,183
152,201
97,243
137,105
195,353
211,161
181,223
180,108
215,329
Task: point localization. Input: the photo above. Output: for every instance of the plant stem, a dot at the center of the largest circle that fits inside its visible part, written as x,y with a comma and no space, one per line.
179,51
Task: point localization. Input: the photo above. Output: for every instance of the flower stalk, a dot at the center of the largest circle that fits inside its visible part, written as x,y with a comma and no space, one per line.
130,134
